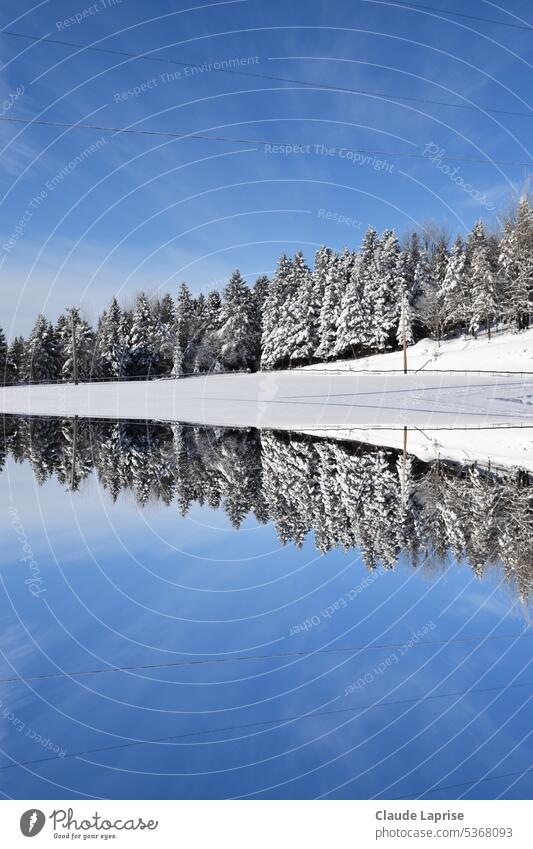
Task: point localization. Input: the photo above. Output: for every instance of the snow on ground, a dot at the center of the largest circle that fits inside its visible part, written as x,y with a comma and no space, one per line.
505,352
500,447
366,407
291,400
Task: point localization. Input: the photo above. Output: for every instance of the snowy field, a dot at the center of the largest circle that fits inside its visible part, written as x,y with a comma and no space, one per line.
499,447
371,408
291,400
504,352
458,416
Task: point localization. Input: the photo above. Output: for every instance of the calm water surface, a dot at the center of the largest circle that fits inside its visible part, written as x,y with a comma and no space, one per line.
208,613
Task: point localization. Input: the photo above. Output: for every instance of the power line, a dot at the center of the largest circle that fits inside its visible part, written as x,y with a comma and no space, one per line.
254,657
271,77
466,783
455,14
281,720
233,140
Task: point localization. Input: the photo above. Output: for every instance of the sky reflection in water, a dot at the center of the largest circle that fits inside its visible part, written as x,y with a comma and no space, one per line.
383,650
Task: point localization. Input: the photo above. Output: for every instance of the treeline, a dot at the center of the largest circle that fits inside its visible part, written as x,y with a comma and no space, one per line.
352,496
351,304
157,337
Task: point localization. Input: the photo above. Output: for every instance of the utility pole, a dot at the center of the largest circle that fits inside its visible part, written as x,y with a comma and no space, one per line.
403,321
74,352
74,450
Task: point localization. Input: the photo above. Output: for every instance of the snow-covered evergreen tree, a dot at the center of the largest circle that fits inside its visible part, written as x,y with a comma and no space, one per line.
5,376
454,284
414,251
300,315
143,338
404,332
113,342
515,266
477,264
259,295
522,298
328,267
484,304
201,313
185,313
15,359
477,238
508,271
72,329
41,359
278,293
382,291
236,334
165,333
368,272
177,362
352,325
430,302
439,261
355,319
214,310
208,353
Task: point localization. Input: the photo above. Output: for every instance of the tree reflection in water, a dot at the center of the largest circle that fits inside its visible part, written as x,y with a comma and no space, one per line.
352,495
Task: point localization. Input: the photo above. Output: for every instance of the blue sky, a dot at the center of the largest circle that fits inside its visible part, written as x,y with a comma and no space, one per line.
148,212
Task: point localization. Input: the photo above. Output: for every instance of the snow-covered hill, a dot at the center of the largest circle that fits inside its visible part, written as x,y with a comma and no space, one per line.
505,352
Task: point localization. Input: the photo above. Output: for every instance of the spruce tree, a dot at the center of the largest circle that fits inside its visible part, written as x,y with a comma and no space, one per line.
429,309
214,309
328,265
186,325
201,315
113,342
516,265
15,359
508,272
177,362
383,291
300,315
209,345
278,293
454,285
439,261
368,277
356,309
41,361
165,334
237,331
414,251
352,327
404,332
478,295
327,321
5,376
523,296
86,362
259,294
143,339
484,303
